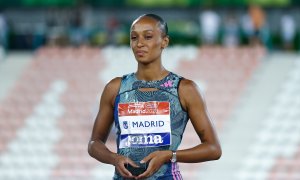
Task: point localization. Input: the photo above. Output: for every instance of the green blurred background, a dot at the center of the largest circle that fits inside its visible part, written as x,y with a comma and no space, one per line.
34,23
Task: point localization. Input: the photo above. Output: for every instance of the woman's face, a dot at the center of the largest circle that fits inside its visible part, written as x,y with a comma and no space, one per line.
146,40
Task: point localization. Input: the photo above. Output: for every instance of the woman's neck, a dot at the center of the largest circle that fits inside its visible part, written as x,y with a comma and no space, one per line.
151,73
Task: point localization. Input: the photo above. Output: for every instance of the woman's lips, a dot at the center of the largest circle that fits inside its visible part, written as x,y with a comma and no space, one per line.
140,53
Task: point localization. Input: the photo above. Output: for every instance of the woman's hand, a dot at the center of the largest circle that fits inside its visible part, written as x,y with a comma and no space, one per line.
120,162
156,160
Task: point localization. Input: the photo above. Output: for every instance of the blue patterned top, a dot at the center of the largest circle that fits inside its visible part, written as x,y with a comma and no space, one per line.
164,90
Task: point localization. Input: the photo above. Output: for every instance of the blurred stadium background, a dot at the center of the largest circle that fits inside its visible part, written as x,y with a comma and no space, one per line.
57,55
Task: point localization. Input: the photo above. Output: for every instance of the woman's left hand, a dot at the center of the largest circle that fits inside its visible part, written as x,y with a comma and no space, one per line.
156,160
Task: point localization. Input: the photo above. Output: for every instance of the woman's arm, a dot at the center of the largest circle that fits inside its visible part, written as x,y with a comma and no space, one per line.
101,129
194,104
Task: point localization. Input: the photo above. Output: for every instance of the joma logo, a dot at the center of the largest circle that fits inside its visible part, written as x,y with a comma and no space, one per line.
143,140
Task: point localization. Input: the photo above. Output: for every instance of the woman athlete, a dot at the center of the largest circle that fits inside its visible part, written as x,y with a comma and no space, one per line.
150,109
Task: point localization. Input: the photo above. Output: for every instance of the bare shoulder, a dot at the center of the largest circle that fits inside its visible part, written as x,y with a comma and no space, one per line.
111,89
114,84
187,84
189,92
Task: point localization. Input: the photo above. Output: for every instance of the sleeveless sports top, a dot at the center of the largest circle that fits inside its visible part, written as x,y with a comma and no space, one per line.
168,122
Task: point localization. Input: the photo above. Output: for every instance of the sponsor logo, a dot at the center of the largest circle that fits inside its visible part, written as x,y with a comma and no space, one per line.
136,105
167,84
143,108
125,124
151,105
141,111
143,140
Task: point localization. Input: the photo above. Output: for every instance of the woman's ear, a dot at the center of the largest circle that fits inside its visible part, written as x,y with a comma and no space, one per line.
165,42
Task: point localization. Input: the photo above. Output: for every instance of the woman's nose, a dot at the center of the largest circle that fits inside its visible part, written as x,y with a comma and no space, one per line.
140,43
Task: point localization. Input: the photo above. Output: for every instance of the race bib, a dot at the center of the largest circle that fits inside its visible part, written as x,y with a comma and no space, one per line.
144,124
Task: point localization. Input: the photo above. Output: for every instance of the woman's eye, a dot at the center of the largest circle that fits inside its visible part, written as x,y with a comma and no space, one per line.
133,37
148,37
